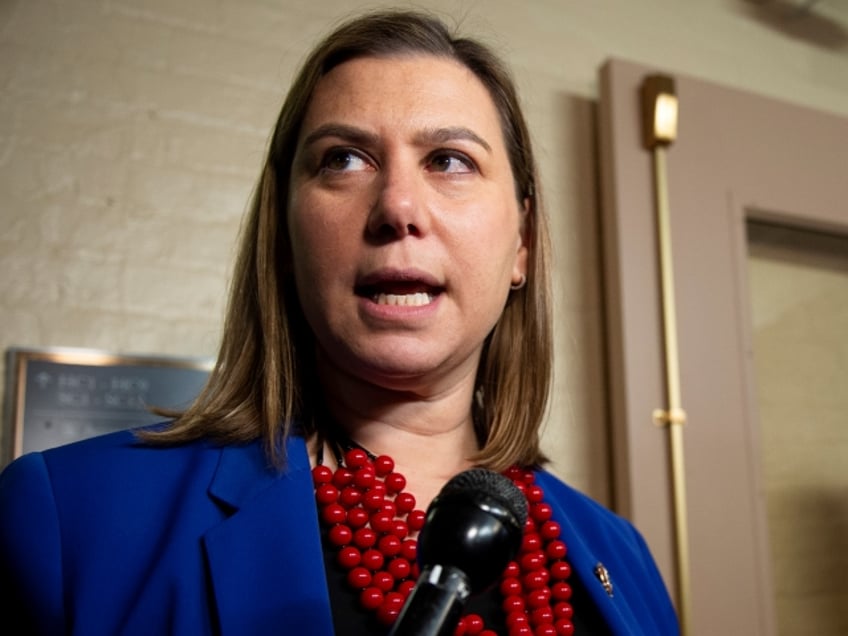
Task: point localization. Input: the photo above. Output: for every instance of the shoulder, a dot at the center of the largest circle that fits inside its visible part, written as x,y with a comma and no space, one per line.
597,537
578,503
119,454
61,506
596,524
113,472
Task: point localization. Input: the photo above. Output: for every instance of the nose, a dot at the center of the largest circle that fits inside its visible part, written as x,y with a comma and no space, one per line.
400,208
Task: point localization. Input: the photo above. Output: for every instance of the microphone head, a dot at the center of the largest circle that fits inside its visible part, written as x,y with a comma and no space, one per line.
475,524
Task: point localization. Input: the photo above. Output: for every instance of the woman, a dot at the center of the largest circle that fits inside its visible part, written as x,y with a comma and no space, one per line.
388,324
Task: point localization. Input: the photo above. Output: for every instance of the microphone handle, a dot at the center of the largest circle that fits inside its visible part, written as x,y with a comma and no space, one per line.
435,604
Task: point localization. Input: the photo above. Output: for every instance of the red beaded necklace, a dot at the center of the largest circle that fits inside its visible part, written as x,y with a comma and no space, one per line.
369,519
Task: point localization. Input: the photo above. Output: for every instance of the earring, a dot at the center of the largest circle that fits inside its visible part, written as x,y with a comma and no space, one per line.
519,284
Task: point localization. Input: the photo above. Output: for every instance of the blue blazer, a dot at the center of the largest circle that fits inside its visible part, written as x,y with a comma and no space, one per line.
112,536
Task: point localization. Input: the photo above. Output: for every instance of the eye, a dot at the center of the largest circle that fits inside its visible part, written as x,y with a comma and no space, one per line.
343,160
451,162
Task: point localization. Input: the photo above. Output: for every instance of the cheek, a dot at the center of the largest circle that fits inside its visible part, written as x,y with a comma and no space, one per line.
308,231
320,249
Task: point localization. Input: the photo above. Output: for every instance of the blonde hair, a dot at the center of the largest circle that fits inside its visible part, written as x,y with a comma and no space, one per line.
264,384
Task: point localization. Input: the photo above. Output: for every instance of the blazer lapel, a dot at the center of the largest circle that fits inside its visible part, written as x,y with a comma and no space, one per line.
265,561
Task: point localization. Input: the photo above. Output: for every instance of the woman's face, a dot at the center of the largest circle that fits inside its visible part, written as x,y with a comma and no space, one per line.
404,223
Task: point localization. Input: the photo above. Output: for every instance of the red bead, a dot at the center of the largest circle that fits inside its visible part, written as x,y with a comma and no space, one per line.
373,499
406,587
388,506
473,624
364,477
563,610
389,545
395,482
564,627
342,477
340,534
350,496
533,561
560,570
387,615
512,569
510,586
538,598
359,578
517,619
357,517
400,528
459,630
371,598
541,511
556,550
550,530
372,559
513,472
531,541
334,513
322,475
365,537
415,519
513,603
488,632
349,557
536,579
384,465
394,599
546,629
528,477
382,521
534,494
326,494
388,612
399,568
356,457
409,550
542,616
383,580
561,591
521,630
405,502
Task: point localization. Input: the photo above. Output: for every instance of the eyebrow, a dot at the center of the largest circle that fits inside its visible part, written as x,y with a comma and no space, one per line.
342,131
428,136
442,135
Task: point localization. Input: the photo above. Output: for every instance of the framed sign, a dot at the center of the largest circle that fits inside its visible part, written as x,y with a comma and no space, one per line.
56,396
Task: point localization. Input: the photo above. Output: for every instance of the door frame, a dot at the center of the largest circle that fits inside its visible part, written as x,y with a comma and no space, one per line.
738,156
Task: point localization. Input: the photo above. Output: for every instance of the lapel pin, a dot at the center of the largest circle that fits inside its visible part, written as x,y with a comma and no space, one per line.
603,576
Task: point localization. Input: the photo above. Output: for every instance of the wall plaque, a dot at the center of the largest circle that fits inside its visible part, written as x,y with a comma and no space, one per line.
60,395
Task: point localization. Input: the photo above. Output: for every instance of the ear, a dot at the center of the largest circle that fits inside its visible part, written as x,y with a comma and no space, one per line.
519,270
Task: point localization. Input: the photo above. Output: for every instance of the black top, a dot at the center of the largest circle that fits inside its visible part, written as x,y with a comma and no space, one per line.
351,619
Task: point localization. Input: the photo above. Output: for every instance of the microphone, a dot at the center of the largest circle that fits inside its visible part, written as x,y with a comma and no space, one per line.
472,530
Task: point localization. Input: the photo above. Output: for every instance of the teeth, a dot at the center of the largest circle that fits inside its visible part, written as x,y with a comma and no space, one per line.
405,300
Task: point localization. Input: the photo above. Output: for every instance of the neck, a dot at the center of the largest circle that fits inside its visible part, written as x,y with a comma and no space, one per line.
429,436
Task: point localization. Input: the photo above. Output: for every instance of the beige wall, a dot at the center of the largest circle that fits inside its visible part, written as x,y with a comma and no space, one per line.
131,132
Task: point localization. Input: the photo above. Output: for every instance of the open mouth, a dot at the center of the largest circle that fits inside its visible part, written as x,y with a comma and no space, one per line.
399,293
418,299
